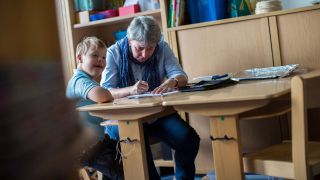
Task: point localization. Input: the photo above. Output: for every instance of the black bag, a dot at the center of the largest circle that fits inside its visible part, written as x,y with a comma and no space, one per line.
103,157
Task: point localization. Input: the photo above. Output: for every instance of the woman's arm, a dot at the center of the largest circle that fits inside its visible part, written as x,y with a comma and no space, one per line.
176,77
138,88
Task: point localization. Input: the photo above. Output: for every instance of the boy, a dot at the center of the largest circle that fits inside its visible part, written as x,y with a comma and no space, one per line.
91,61
90,56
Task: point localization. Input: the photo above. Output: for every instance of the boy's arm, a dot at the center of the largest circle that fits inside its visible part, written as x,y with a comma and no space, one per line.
99,95
120,92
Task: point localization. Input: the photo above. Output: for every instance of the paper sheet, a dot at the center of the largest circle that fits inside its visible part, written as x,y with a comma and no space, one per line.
149,94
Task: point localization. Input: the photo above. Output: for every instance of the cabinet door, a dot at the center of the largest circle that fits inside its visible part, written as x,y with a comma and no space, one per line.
299,38
225,48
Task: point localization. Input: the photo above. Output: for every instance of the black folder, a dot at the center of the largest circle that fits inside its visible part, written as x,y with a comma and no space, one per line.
208,85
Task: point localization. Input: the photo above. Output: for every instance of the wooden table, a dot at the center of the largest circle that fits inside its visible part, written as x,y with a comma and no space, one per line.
131,113
224,107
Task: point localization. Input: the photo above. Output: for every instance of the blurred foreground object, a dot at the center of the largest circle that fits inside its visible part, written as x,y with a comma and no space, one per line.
40,133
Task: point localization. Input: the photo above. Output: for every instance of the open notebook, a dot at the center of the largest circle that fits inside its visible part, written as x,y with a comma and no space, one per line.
149,94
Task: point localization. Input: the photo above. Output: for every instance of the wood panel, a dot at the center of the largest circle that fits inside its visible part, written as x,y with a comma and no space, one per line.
65,14
230,151
258,134
164,11
134,161
204,160
255,135
299,38
274,41
225,48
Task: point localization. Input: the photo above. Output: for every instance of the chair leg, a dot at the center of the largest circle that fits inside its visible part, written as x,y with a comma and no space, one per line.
90,174
206,178
84,174
100,175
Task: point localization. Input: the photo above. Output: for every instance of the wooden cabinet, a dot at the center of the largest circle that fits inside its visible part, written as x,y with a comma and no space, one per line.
230,45
299,41
276,38
71,32
225,48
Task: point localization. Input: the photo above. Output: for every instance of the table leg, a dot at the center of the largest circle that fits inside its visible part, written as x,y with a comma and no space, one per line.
135,163
227,153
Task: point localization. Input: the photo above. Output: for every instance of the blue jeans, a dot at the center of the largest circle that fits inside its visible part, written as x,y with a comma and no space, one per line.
179,135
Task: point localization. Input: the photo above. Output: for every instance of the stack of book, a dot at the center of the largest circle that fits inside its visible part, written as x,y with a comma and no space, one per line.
176,13
268,6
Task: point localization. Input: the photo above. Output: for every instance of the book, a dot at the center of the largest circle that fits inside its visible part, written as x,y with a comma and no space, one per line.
173,15
169,14
177,10
180,13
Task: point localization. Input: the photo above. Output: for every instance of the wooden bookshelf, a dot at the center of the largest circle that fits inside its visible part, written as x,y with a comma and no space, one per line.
72,32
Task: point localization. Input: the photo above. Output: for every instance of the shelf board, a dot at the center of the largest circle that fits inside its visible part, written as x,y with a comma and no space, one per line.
118,19
163,163
243,18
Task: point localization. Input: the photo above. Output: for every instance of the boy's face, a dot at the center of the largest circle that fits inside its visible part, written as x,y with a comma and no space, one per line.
93,62
140,51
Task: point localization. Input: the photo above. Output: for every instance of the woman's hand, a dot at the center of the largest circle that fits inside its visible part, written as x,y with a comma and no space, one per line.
167,86
139,87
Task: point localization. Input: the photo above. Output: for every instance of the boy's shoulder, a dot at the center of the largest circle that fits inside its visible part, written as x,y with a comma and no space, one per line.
79,85
80,74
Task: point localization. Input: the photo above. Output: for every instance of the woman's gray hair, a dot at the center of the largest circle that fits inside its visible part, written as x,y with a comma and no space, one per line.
144,29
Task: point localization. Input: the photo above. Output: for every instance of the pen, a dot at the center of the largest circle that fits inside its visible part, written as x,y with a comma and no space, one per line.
215,77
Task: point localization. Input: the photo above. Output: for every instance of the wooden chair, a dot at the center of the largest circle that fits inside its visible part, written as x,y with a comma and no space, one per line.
89,174
299,159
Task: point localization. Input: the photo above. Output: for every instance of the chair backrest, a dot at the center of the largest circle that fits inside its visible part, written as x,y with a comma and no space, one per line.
305,94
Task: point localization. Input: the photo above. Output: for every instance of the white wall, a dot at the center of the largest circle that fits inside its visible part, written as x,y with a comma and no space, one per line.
287,4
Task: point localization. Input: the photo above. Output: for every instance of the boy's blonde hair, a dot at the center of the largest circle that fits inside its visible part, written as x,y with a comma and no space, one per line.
87,42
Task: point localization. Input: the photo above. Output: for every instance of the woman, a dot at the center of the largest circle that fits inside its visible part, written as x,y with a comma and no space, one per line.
143,62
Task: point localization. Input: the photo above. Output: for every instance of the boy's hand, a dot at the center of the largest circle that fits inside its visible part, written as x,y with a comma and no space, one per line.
139,87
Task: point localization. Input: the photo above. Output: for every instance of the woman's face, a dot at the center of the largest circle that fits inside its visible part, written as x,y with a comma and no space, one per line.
140,51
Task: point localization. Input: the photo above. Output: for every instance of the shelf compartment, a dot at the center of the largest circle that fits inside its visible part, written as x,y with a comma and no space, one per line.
119,19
